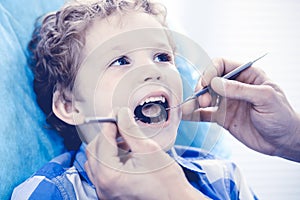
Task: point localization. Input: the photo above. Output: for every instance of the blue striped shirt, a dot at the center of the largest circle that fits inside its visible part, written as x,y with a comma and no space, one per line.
65,178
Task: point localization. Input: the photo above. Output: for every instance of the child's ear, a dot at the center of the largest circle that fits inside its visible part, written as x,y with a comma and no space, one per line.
64,107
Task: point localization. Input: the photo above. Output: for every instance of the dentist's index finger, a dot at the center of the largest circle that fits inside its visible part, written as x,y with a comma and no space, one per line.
219,68
103,149
102,156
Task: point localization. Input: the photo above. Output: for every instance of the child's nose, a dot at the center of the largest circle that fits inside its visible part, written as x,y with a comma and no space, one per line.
152,77
150,71
152,74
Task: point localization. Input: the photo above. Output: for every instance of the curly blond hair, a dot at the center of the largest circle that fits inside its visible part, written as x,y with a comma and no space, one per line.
56,46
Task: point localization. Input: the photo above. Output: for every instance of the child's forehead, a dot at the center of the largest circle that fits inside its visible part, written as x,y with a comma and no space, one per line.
135,40
130,31
139,39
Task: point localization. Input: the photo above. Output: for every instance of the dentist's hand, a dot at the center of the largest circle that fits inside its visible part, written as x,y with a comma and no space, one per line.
252,108
147,172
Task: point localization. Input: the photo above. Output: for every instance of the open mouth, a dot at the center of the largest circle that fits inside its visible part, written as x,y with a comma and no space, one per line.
152,110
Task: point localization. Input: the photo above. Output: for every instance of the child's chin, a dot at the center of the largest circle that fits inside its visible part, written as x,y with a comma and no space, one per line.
160,132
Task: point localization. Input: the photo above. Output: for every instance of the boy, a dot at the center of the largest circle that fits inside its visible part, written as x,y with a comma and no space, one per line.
115,59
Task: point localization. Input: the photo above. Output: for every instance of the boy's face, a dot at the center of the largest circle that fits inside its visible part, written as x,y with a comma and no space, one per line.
128,61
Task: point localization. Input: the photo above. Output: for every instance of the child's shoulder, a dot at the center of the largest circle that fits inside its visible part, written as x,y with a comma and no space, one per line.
57,166
50,179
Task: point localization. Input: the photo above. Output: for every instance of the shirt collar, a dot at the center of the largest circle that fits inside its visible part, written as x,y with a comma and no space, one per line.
80,160
184,163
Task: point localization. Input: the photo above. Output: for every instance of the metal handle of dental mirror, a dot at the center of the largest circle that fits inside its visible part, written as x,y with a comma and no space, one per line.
88,120
231,76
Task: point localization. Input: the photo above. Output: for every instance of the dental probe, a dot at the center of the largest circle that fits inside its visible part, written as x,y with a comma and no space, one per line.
231,75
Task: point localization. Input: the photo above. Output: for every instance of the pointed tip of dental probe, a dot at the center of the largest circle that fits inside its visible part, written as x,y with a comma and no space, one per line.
194,96
259,57
172,107
178,105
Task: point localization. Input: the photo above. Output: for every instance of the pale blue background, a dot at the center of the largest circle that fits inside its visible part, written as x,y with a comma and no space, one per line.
243,30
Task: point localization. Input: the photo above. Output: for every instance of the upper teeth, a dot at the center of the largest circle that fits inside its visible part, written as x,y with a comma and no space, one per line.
153,99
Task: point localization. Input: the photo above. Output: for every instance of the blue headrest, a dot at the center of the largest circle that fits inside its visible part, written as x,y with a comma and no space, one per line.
25,145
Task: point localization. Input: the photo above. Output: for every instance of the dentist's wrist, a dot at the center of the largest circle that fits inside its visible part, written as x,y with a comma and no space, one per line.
291,149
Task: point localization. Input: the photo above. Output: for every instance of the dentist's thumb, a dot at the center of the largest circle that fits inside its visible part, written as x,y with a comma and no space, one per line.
132,134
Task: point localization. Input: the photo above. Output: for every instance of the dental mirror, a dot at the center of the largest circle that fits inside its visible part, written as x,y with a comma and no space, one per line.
151,113
152,110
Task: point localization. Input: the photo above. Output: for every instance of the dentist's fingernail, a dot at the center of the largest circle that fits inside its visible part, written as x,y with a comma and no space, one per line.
217,84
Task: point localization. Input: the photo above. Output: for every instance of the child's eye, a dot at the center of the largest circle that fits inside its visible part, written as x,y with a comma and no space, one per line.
162,57
120,61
